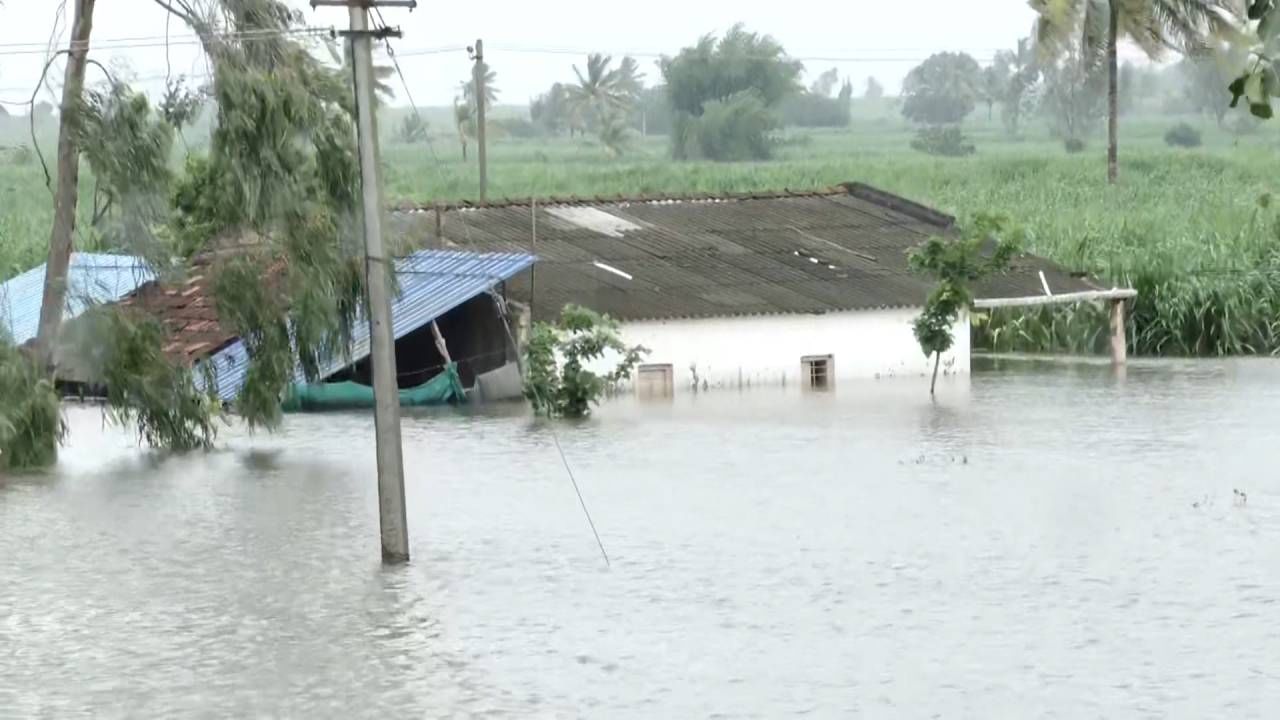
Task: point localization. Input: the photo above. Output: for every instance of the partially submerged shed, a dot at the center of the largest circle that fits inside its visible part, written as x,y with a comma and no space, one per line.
92,279
459,292
724,290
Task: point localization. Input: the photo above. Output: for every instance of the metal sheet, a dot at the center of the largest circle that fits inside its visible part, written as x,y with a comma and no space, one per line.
92,279
790,252
432,282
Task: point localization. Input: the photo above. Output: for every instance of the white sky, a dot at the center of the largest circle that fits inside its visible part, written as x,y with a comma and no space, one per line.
880,39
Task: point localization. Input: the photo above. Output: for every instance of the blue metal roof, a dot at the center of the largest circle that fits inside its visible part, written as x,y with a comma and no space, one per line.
92,279
432,282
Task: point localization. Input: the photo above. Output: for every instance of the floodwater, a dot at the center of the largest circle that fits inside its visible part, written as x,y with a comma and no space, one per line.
1046,540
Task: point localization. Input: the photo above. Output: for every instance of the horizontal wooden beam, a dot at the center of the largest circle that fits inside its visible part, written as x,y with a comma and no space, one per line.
1075,297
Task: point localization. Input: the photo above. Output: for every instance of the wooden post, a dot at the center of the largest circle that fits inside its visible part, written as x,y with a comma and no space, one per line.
1119,338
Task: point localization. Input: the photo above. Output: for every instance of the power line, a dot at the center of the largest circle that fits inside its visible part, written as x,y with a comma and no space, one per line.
160,41
655,54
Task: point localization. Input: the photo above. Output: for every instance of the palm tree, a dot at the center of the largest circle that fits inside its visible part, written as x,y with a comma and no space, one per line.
1153,25
603,91
490,87
464,120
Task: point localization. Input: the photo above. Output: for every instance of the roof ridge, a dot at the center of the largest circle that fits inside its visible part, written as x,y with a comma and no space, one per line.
900,204
581,200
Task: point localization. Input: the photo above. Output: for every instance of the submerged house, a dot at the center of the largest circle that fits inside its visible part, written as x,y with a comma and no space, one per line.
731,290
457,294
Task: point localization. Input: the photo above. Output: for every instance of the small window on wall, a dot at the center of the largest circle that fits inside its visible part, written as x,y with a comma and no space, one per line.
655,381
818,371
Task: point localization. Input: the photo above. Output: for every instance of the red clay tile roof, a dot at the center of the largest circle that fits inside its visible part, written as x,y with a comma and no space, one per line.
188,312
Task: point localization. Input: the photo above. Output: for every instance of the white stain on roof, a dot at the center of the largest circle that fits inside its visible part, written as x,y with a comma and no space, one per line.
594,219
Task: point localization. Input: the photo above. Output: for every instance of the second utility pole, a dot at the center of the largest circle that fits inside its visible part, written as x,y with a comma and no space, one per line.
378,269
482,151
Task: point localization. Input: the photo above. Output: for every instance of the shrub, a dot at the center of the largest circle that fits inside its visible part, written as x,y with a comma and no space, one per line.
557,383
738,128
31,424
943,141
23,155
1182,135
1073,145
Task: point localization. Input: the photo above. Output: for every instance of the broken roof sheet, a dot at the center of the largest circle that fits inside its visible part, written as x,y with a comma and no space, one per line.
843,248
432,282
92,279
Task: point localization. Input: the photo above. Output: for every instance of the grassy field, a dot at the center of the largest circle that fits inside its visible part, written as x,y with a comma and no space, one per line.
1182,225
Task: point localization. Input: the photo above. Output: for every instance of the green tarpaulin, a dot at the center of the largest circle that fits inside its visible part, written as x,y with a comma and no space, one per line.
442,389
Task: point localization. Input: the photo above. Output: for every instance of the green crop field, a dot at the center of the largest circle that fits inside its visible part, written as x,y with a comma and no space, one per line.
1184,226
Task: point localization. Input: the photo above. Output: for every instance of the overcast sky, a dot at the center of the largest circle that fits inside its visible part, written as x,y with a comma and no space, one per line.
860,37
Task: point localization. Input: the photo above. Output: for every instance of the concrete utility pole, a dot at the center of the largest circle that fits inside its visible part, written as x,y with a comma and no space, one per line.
67,190
478,78
378,269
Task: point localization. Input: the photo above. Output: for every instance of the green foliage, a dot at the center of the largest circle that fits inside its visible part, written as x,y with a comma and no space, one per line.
809,109
652,112
200,210
956,263
1073,145
22,155
736,129
740,80
1205,77
127,146
603,98
1074,97
552,111
281,172
942,141
1182,135
1260,80
1019,101
942,90
557,381
412,129
874,90
31,424
181,105
145,389
468,87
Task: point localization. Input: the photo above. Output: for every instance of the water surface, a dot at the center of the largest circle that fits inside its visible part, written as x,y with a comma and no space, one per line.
1026,546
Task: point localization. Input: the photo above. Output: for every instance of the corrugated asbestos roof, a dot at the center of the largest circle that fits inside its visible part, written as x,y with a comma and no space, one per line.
92,279
843,248
432,282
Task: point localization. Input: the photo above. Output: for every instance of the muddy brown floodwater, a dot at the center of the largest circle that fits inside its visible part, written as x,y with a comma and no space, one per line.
1046,540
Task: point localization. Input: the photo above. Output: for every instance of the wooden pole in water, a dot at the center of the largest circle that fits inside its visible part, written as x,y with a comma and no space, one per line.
1119,337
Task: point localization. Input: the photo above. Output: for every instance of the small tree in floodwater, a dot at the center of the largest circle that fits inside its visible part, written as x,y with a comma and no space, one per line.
956,263
557,383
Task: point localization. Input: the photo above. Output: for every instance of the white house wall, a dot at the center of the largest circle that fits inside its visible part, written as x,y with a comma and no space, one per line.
767,350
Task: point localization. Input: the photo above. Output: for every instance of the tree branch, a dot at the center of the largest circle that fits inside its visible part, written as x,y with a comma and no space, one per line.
186,13
31,112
